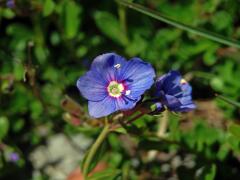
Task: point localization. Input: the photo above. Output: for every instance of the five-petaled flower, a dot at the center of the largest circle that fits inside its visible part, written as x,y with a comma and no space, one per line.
175,92
114,84
10,3
13,157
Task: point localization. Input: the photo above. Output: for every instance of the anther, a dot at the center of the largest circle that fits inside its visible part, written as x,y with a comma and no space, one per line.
117,66
127,92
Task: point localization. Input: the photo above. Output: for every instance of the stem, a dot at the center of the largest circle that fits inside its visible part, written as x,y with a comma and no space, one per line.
228,100
94,149
162,17
163,123
135,118
122,19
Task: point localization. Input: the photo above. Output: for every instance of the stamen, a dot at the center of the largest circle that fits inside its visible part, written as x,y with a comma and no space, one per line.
127,92
183,81
117,66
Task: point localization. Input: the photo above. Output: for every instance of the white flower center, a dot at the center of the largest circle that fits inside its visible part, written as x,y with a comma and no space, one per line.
115,89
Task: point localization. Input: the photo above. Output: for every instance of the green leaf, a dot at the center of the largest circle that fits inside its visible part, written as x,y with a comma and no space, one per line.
228,100
137,45
48,7
108,174
164,18
221,20
72,19
36,109
212,173
233,142
208,172
121,130
126,170
234,129
4,126
8,13
18,125
110,26
41,53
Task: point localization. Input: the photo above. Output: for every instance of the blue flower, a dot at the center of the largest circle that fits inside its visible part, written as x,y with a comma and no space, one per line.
174,92
114,84
10,3
13,157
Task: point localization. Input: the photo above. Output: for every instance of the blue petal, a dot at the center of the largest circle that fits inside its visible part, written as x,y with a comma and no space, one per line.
185,100
159,82
186,89
185,108
171,101
138,76
172,82
92,87
105,65
102,108
125,102
181,91
174,94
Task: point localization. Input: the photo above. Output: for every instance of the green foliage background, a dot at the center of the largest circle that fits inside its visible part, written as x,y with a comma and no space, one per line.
46,45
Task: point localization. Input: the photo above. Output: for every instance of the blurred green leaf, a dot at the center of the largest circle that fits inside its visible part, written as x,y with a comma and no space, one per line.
234,143
234,129
201,136
8,13
108,174
4,126
72,18
36,109
48,7
212,173
81,51
41,53
164,18
221,20
55,38
210,55
121,130
223,152
110,26
208,172
136,46
18,125
18,71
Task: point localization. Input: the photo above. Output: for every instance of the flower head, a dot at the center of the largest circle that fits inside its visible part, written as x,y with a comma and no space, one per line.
13,157
10,3
114,84
175,92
